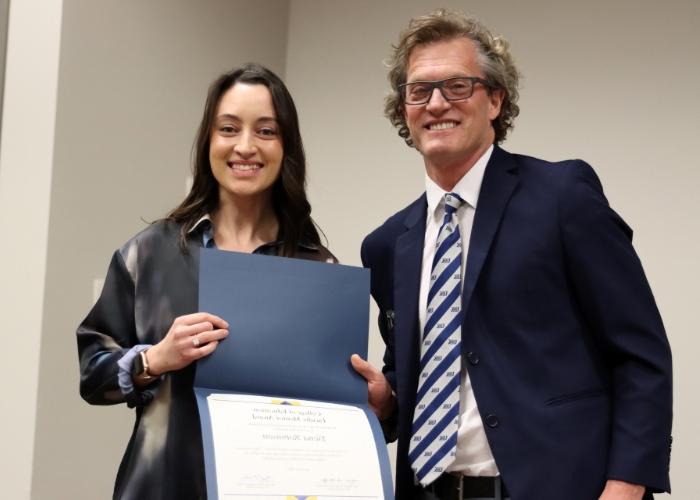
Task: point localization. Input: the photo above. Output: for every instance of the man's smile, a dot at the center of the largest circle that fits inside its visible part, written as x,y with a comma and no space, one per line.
442,125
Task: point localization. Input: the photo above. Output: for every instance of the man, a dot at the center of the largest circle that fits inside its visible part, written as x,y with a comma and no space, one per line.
525,356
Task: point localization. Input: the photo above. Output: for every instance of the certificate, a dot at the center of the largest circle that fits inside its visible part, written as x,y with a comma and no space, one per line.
280,449
283,414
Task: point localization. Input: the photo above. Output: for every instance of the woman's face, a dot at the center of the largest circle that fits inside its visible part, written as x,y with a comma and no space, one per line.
245,150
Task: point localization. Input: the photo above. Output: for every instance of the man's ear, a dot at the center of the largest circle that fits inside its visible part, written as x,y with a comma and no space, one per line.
495,101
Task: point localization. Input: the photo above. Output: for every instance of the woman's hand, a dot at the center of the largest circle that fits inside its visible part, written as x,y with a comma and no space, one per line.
190,337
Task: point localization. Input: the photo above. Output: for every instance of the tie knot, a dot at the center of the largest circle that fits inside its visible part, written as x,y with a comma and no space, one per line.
452,203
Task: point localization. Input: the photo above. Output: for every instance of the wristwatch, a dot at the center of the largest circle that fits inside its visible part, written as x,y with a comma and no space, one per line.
139,368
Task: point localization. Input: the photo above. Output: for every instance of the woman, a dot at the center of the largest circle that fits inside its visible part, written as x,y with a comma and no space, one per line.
139,342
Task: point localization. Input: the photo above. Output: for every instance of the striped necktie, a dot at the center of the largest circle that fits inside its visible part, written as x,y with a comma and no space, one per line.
435,420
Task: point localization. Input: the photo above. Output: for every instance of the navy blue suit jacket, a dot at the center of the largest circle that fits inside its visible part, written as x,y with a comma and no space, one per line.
562,339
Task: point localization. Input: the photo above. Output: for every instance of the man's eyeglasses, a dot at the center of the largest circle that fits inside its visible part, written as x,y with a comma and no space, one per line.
452,89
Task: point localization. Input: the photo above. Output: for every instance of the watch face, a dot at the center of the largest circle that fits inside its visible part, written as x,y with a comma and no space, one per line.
137,366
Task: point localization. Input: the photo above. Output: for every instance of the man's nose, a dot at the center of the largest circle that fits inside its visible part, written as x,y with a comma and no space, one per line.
437,101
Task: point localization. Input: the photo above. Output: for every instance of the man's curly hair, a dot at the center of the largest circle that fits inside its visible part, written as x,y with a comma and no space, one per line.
494,59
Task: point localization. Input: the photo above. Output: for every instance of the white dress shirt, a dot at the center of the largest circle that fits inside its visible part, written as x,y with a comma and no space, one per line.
474,456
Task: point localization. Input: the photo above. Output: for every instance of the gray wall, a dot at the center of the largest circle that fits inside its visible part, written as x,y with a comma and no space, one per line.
612,82
4,12
26,161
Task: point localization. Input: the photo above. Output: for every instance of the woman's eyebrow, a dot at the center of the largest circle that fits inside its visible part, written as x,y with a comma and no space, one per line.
229,116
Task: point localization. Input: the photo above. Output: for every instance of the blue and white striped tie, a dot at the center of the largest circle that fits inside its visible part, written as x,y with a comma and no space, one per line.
435,420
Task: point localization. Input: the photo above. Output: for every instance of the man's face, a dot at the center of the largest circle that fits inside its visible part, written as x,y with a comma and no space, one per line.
450,134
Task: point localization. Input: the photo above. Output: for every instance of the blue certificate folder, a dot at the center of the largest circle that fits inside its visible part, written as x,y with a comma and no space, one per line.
293,325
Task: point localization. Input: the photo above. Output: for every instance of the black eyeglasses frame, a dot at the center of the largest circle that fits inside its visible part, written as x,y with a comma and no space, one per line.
439,84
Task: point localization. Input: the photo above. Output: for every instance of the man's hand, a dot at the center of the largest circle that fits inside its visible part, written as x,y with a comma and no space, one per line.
380,398
620,490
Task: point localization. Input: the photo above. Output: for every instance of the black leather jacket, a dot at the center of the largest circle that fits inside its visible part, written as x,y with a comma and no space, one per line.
149,283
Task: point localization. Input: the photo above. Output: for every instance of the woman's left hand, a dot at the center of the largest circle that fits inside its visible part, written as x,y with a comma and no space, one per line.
190,338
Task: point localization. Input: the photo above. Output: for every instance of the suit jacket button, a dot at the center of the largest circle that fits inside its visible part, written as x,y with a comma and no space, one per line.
491,420
472,358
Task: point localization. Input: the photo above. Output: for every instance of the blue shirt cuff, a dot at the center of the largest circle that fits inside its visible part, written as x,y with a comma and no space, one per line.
126,383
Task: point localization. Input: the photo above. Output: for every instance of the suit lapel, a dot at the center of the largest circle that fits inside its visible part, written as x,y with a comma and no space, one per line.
408,257
500,179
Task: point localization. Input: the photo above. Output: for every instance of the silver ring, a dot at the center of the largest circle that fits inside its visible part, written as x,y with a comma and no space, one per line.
195,342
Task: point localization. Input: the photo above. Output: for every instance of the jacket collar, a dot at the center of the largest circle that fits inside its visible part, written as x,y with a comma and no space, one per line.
500,179
499,182
206,225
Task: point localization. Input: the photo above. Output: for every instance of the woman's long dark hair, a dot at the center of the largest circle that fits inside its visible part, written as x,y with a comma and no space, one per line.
289,190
